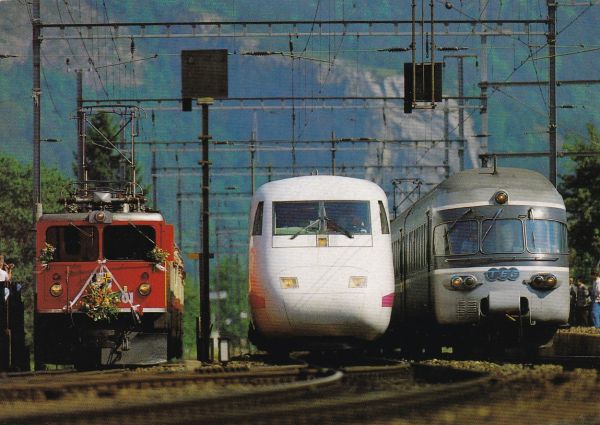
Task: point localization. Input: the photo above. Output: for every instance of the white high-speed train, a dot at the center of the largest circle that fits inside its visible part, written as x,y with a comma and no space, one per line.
320,263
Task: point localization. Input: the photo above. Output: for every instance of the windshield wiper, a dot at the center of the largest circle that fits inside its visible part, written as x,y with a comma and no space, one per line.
335,226
458,218
304,229
89,235
491,225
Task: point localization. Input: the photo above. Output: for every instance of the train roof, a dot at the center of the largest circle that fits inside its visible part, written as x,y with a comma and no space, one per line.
319,188
115,216
478,186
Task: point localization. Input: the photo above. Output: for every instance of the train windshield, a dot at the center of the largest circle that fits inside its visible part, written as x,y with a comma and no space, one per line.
500,236
460,237
73,243
129,242
546,236
312,217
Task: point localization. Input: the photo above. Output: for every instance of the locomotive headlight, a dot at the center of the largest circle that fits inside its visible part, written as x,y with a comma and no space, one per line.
357,282
463,283
288,282
100,217
470,282
56,289
501,197
144,289
543,281
456,282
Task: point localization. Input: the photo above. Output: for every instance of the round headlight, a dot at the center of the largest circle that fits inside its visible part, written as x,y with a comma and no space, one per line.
551,281
501,197
144,289
470,281
456,282
56,290
100,217
538,280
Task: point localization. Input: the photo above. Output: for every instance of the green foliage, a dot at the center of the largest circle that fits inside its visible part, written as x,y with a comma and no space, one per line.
16,212
102,160
581,193
190,315
16,221
230,313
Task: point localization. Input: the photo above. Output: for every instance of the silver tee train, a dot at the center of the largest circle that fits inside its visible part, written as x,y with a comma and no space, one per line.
481,261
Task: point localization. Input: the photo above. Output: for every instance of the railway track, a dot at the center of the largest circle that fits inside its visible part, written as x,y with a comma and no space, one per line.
294,394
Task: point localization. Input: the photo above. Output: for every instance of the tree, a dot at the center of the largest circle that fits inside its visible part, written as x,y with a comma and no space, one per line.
101,159
16,211
581,192
231,304
16,221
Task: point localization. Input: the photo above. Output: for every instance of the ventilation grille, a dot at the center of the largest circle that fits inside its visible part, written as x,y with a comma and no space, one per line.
467,309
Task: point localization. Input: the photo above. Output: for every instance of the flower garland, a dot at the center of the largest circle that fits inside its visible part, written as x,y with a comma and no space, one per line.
47,253
158,255
99,303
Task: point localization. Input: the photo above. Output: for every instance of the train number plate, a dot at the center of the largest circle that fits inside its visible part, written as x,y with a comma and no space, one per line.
501,274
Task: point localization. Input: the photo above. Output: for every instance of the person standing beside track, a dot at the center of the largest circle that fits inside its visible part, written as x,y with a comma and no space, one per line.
595,299
5,275
582,303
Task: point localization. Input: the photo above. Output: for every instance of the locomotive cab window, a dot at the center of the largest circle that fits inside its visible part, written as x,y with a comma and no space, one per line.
459,237
347,217
73,243
290,218
546,237
502,236
321,217
129,242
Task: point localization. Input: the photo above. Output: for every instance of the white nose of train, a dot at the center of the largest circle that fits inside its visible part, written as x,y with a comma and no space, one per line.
322,301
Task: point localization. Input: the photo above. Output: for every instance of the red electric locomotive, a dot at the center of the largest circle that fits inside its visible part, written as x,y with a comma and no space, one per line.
109,281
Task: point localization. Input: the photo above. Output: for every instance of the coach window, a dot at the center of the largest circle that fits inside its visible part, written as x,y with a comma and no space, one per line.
129,242
385,227
258,220
502,236
73,243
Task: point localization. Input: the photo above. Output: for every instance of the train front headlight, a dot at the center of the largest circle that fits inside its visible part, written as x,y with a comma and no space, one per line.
470,282
288,282
501,197
357,282
463,283
56,289
543,281
144,289
456,282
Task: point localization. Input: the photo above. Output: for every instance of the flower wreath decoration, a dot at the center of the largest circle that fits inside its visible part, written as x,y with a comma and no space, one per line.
47,253
100,303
